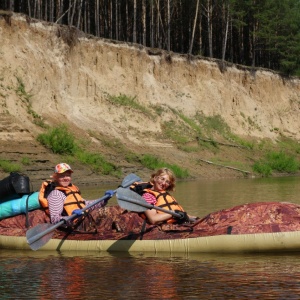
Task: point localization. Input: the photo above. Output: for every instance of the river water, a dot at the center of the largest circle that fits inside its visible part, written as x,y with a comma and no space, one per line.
90,275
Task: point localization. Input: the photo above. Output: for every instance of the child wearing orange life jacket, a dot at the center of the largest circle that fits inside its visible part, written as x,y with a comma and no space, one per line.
163,181
60,198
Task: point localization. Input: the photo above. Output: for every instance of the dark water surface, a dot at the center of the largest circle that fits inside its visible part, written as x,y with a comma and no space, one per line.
86,275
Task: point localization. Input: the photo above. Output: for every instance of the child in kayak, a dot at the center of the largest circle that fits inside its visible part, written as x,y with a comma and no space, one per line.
60,198
157,192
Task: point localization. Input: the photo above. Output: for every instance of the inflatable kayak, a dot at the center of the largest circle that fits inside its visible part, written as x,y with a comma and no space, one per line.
256,227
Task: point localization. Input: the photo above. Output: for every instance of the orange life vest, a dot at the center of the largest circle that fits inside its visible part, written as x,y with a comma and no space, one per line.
73,197
163,198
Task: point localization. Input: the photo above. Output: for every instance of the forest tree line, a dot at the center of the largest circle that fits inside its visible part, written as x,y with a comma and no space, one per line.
256,33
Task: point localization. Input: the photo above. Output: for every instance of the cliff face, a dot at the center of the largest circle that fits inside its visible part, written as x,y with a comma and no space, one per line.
64,76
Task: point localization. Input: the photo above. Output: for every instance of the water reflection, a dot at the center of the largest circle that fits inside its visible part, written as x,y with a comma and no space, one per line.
39,275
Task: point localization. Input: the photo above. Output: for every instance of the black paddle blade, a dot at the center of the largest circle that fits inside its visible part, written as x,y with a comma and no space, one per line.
34,232
129,180
132,201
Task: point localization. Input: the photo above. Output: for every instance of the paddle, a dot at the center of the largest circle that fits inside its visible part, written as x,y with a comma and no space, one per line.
39,235
132,201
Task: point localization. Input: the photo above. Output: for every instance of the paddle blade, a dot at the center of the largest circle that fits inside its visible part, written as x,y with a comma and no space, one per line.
32,233
132,201
129,180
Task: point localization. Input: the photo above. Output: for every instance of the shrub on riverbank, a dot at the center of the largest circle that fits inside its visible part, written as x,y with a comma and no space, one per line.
60,141
276,161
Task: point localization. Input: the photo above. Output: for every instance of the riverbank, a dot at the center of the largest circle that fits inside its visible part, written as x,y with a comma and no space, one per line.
123,101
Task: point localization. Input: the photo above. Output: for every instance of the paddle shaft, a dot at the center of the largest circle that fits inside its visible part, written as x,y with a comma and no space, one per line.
151,206
60,223
129,196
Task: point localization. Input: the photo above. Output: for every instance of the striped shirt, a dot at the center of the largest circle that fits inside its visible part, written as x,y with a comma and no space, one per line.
151,199
56,201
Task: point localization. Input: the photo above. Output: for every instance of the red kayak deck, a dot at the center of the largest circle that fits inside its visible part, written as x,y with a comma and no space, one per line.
115,223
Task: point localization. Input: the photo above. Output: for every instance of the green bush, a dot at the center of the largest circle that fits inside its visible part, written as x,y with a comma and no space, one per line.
282,162
62,142
151,162
8,166
97,162
59,140
262,168
26,161
276,161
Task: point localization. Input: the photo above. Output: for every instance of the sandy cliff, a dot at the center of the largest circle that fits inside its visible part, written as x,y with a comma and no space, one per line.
69,75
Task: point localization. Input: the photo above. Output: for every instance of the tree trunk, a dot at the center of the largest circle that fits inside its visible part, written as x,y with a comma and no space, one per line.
194,27
144,23
73,12
157,35
111,20
134,22
117,21
169,26
29,9
152,25
200,35
226,18
79,14
127,23
209,27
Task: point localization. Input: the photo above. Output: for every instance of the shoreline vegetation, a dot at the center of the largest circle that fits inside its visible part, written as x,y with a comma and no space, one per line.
62,142
206,132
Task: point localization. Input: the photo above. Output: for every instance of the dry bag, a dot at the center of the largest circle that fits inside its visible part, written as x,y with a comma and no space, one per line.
15,184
